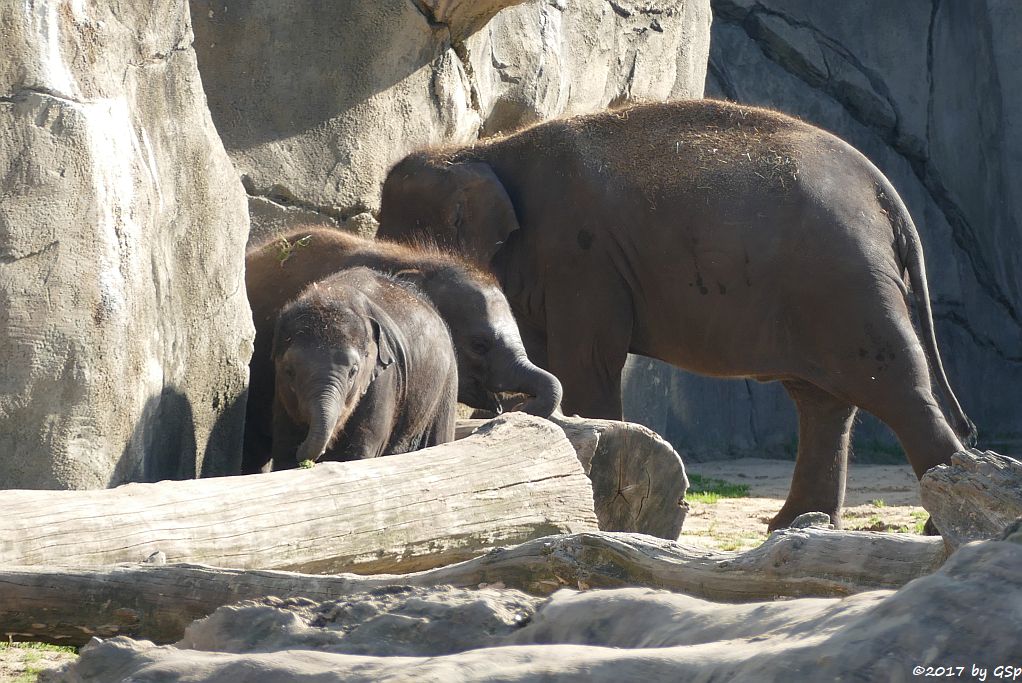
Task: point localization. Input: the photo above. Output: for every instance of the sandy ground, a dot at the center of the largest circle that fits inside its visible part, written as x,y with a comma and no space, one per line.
878,498
22,662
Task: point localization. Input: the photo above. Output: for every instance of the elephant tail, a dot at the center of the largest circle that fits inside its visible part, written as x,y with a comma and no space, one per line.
911,256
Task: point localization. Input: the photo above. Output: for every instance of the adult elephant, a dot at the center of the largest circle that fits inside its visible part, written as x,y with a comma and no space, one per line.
727,240
491,357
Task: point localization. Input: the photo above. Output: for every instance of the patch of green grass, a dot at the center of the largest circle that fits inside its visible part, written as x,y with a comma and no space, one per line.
31,657
876,523
307,464
735,540
708,490
878,503
286,249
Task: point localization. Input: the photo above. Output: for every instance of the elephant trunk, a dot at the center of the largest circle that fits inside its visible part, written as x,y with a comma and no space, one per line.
544,388
323,417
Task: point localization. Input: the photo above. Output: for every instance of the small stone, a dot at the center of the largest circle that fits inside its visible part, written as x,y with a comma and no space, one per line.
808,519
158,558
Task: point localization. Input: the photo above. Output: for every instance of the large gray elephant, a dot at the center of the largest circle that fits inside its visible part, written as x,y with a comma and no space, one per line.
364,367
491,357
724,239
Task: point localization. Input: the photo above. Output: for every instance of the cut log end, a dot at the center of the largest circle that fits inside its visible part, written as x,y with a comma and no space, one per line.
638,479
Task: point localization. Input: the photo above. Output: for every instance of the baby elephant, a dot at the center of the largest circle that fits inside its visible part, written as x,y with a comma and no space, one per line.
364,367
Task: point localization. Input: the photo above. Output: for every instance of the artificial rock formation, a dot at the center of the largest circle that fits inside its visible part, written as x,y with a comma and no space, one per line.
931,92
124,330
967,614
316,102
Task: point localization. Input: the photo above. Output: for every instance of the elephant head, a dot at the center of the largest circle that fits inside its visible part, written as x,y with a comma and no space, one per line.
459,205
325,358
491,357
464,207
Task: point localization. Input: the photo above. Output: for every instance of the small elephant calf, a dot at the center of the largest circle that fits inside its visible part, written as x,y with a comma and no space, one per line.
364,367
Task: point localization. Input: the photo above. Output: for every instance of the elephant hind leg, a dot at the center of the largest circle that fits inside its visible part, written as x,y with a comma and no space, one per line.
898,392
824,432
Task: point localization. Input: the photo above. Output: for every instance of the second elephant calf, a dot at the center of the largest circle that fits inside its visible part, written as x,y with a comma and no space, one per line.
364,367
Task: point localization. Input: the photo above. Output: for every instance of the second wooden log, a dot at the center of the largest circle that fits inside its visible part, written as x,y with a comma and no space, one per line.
65,605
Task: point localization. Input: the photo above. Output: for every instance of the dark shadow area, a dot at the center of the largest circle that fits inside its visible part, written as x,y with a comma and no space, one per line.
223,447
162,446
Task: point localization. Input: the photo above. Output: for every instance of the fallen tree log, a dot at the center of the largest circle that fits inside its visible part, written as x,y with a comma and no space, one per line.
517,478
639,481
975,497
69,605
963,619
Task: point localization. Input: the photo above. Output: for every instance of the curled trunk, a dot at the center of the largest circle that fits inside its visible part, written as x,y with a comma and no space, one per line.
543,387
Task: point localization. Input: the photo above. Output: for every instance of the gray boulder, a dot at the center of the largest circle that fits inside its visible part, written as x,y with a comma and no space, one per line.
316,101
931,92
967,614
124,330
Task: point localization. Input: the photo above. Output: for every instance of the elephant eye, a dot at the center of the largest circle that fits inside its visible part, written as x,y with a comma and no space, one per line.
289,371
352,371
479,346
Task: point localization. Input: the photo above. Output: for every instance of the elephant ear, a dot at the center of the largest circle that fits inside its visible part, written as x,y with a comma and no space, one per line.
481,211
386,351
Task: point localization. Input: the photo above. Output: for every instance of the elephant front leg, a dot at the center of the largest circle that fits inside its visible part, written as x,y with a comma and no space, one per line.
287,436
370,430
824,433
587,345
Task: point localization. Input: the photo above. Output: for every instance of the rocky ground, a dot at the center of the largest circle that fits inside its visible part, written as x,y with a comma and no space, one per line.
879,498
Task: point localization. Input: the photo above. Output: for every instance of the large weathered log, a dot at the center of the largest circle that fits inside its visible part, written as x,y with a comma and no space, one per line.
639,481
975,497
961,622
517,478
156,602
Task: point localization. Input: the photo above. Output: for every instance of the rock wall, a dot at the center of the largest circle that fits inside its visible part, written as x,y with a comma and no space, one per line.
124,330
316,101
931,92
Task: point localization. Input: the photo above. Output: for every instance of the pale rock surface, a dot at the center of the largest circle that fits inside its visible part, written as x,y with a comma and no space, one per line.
124,330
968,613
